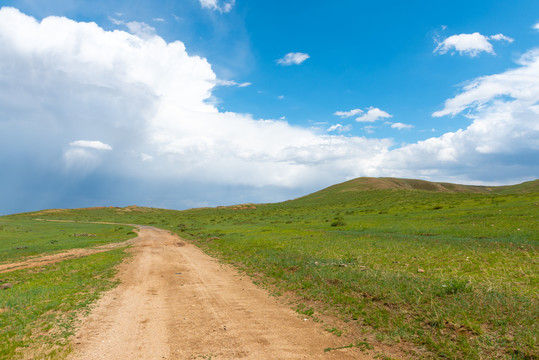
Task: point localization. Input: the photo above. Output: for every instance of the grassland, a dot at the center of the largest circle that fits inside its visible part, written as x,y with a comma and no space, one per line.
440,274
27,237
38,313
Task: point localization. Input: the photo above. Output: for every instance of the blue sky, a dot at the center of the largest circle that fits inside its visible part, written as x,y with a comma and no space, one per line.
192,103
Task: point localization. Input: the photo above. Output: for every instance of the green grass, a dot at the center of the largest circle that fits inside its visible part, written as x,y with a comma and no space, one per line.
456,274
20,238
39,313
452,275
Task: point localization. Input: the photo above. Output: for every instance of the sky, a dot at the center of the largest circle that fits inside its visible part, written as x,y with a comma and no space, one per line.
192,103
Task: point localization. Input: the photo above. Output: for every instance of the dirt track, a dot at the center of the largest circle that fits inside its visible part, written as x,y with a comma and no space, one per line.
42,260
175,302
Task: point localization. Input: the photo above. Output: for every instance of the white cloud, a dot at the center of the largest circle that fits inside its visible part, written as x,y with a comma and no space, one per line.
374,114
401,126
145,157
221,6
231,83
143,95
501,142
293,58
499,37
140,29
340,128
159,20
369,129
346,114
470,44
84,156
61,79
280,97
116,21
536,26
521,83
91,144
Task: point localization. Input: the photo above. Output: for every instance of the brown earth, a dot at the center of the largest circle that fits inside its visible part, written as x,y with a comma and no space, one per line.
175,302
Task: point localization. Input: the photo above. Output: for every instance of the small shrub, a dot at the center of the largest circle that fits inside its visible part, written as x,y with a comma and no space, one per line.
338,221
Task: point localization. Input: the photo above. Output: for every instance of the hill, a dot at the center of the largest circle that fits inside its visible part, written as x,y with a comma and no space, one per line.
387,183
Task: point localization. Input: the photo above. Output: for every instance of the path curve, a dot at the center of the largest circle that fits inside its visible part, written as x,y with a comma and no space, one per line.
176,302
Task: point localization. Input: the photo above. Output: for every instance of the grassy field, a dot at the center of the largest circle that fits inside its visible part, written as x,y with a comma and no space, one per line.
27,237
38,313
438,273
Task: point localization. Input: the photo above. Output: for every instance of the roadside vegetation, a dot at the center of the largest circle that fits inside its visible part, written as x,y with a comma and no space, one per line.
437,273
39,306
21,238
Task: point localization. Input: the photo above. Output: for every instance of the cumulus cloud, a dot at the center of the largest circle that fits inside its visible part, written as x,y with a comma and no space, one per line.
374,114
347,114
217,5
401,126
340,128
84,156
521,84
501,142
91,144
293,58
470,44
162,143
148,99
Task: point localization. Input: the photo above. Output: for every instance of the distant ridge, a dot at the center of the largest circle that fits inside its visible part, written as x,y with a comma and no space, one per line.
388,183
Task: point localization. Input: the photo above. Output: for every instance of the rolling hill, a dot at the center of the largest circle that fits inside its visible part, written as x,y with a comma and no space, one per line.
387,183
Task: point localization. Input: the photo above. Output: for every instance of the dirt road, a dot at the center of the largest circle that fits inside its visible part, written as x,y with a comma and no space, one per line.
175,302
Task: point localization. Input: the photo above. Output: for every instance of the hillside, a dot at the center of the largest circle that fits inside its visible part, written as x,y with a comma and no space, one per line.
343,190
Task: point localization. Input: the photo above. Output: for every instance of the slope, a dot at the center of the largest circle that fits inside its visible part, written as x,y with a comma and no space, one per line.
345,190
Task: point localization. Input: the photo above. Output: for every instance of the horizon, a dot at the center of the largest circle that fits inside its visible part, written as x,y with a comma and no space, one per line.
250,203
207,102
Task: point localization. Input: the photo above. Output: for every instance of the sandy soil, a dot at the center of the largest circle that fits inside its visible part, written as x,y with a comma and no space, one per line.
175,302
